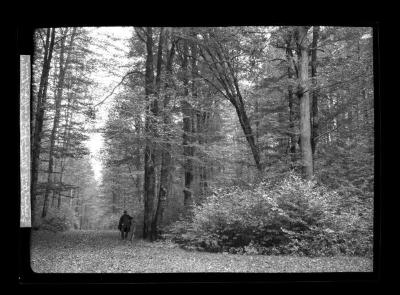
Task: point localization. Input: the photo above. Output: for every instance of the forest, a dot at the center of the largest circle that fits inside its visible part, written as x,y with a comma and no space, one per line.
237,139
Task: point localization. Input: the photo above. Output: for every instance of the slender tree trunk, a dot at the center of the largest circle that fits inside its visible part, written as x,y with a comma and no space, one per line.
304,97
82,219
292,125
58,98
314,98
158,213
149,155
138,164
187,137
202,139
43,78
219,64
165,151
257,121
65,146
39,115
292,73
292,130
246,127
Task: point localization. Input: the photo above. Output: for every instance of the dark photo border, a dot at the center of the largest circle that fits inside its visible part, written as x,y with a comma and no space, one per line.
26,277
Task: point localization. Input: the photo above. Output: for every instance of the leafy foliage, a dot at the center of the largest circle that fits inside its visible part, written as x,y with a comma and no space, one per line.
295,217
58,220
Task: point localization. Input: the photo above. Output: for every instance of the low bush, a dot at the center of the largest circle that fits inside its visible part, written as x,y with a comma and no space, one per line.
57,220
294,217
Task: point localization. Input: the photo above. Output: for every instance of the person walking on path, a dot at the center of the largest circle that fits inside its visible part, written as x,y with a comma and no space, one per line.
124,225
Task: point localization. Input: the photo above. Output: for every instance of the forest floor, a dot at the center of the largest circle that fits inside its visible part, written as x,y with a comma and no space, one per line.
104,252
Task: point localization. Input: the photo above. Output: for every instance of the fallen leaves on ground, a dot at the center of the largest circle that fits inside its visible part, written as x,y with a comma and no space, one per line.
104,252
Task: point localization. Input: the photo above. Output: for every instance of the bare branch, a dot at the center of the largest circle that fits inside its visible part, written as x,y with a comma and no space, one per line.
122,80
137,30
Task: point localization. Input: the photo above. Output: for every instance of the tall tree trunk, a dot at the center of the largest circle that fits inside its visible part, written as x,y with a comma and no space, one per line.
138,163
201,117
304,97
196,115
187,138
39,115
314,98
149,155
165,149
43,78
158,213
292,130
58,98
202,121
65,146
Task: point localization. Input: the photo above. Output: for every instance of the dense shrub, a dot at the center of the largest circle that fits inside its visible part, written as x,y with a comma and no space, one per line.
294,217
57,220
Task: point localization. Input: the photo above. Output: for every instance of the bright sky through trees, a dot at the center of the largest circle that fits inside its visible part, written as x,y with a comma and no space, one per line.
106,79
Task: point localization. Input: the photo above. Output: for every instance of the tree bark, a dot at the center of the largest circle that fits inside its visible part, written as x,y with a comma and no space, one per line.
292,130
304,98
187,137
165,149
246,127
314,134
138,162
165,157
149,155
65,145
202,120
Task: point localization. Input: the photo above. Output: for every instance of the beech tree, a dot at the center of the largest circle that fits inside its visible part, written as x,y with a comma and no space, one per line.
304,98
165,146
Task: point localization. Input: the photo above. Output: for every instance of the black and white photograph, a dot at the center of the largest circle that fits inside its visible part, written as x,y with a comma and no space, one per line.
204,149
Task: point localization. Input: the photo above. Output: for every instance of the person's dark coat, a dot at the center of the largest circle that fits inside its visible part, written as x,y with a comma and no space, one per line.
124,224
125,220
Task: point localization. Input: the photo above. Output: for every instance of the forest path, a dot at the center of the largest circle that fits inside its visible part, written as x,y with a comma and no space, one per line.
104,252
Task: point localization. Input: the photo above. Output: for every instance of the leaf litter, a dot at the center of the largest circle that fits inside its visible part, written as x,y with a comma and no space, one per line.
104,252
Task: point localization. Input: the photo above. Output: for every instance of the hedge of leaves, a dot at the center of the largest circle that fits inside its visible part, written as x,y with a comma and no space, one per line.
294,217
